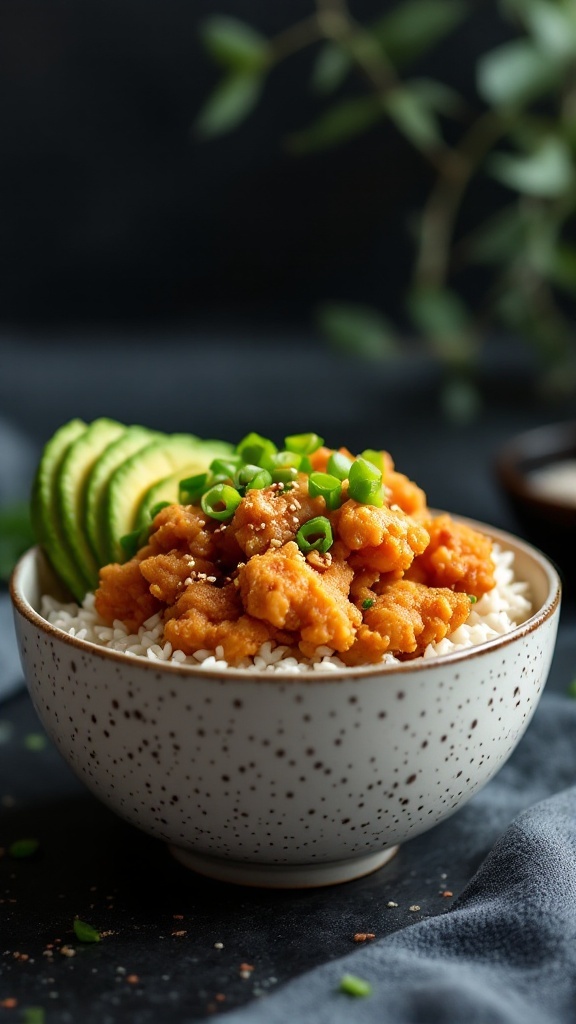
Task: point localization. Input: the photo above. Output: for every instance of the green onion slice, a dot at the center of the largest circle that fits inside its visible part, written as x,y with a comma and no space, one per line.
221,501
132,542
226,466
283,460
326,486
339,465
365,482
375,457
158,508
354,986
367,603
192,488
260,479
284,476
315,535
254,448
304,444
84,932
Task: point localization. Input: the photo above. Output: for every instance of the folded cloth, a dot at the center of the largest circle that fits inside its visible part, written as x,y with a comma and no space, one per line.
506,952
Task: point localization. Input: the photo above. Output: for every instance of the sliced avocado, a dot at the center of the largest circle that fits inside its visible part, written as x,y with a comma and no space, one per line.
70,487
167,489
129,483
44,509
132,440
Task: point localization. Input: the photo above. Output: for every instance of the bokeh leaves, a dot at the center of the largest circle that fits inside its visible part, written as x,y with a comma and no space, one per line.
520,131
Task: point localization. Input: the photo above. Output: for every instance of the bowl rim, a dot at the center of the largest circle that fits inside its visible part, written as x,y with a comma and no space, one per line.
505,539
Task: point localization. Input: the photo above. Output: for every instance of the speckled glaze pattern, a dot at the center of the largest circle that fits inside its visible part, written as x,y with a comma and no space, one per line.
285,771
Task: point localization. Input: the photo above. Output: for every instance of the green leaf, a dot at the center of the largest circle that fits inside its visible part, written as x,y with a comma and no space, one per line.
553,27
342,122
413,117
548,172
444,320
230,103
235,45
436,95
330,68
16,535
415,26
359,330
85,932
498,239
563,268
516,73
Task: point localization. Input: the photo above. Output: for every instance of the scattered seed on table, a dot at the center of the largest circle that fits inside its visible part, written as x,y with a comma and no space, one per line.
391,904
414,907
364,936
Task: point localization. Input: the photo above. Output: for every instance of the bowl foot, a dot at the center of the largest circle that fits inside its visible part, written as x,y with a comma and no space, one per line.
282,876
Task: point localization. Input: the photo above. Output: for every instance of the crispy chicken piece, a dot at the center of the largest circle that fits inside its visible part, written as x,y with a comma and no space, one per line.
167,573
206,616
385,539
186,528
123,594
457,556
402,491
271,517
281,588
404,619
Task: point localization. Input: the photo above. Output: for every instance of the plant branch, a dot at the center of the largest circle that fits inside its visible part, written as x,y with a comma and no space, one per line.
443,204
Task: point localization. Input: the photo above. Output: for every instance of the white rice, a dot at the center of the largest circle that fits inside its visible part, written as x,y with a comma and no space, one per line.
495,613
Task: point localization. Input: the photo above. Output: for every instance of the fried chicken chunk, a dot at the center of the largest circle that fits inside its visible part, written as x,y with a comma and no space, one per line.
206,617
269,516
405,618
280,587
123,594
457,557
385,539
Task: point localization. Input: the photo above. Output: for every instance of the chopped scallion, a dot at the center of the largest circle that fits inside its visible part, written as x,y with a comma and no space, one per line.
326,486
365,482
132,542
254,448
339,465
375,457
192,488
226,466
315,535
158,508
367,603
260,479
85,932
354,986
304,444
221,501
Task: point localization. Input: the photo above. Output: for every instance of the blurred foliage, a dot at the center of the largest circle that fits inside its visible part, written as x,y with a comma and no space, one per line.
519,129
16,536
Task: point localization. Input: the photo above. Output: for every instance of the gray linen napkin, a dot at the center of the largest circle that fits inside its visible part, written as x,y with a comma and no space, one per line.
506,952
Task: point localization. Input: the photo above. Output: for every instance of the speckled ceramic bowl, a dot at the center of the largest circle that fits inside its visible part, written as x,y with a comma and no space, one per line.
286,780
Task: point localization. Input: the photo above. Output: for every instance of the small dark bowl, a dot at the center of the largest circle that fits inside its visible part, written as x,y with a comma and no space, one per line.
547,519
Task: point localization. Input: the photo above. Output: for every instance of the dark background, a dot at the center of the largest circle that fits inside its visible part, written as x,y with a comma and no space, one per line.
112,211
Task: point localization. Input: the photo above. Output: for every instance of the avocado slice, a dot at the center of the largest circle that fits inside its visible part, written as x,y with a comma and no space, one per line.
44,513
132,440
167,489
131,481
70,490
